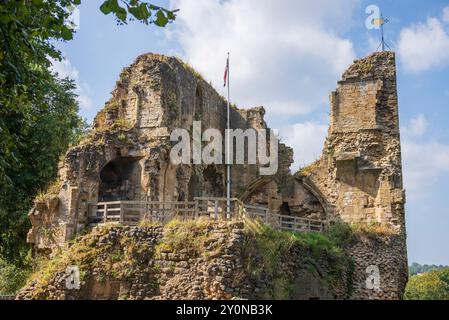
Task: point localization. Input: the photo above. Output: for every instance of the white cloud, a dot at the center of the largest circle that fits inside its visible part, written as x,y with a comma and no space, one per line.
446,14
64,69
417,126
283,55
425,46
307,140
424,162
373,44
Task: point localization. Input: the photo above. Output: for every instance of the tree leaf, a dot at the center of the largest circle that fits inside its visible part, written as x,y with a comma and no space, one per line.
161,19
109,6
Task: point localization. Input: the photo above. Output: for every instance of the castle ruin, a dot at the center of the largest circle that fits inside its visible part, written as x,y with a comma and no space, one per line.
357,180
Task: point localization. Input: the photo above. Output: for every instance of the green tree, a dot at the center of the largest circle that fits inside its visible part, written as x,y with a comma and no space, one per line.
432,285
38,112
416,268
49,127
28,30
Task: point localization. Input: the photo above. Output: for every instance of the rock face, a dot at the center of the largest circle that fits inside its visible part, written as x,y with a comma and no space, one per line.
192,260
357,180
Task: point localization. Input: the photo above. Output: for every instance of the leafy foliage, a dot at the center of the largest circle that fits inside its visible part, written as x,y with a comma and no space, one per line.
432,285
139,10
11,277
45,133
28,30
38,112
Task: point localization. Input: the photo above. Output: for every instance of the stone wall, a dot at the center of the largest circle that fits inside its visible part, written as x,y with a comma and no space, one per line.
190,260
381,270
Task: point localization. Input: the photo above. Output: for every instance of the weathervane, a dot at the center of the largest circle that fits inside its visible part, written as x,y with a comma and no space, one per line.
379,22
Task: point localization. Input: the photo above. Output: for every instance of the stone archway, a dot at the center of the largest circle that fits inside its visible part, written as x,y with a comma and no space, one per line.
120,180
303,199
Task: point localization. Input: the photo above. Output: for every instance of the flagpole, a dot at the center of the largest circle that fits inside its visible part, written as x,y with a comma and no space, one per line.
228,165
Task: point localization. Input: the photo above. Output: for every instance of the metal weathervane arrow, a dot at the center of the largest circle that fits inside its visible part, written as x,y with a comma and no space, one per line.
379,22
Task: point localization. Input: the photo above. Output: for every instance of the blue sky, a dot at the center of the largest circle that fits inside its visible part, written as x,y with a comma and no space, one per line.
287,56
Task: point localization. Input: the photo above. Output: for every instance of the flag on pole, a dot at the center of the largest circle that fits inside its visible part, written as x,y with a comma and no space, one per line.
226,72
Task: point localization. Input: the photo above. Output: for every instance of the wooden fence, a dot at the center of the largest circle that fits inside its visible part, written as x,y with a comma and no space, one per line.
132,212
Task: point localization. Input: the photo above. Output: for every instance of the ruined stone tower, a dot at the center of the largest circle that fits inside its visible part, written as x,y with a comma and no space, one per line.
360,172
357,180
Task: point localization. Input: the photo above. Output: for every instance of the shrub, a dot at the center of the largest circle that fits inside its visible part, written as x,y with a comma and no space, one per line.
12,278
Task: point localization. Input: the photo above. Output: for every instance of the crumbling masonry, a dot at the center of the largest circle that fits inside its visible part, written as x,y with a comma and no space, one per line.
357,180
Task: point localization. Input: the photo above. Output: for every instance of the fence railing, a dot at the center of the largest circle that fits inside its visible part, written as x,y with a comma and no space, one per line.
133,212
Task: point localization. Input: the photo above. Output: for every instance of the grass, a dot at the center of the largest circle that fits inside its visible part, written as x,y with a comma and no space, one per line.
13,277
51,191
268,250
308,170
373,229
172,103
121,137
188,67
122,123
149,224
119,261
184,235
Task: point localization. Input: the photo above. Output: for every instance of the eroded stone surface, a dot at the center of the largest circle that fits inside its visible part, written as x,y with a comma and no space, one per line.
218,261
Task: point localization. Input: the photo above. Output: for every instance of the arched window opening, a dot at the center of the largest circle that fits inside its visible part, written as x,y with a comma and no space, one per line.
198,114
194,186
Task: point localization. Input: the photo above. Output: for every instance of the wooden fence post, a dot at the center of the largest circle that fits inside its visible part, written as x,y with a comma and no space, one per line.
105,213
122,213
216,209
195,215
141,210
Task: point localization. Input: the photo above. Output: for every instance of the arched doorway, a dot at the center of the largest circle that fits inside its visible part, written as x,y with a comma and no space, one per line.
213,182
195,186
120,180
301,200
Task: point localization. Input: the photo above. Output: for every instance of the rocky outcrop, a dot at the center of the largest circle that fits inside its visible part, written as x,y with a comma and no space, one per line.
195,260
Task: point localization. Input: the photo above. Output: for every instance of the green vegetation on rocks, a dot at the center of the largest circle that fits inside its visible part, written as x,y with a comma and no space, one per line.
269,252
270,260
